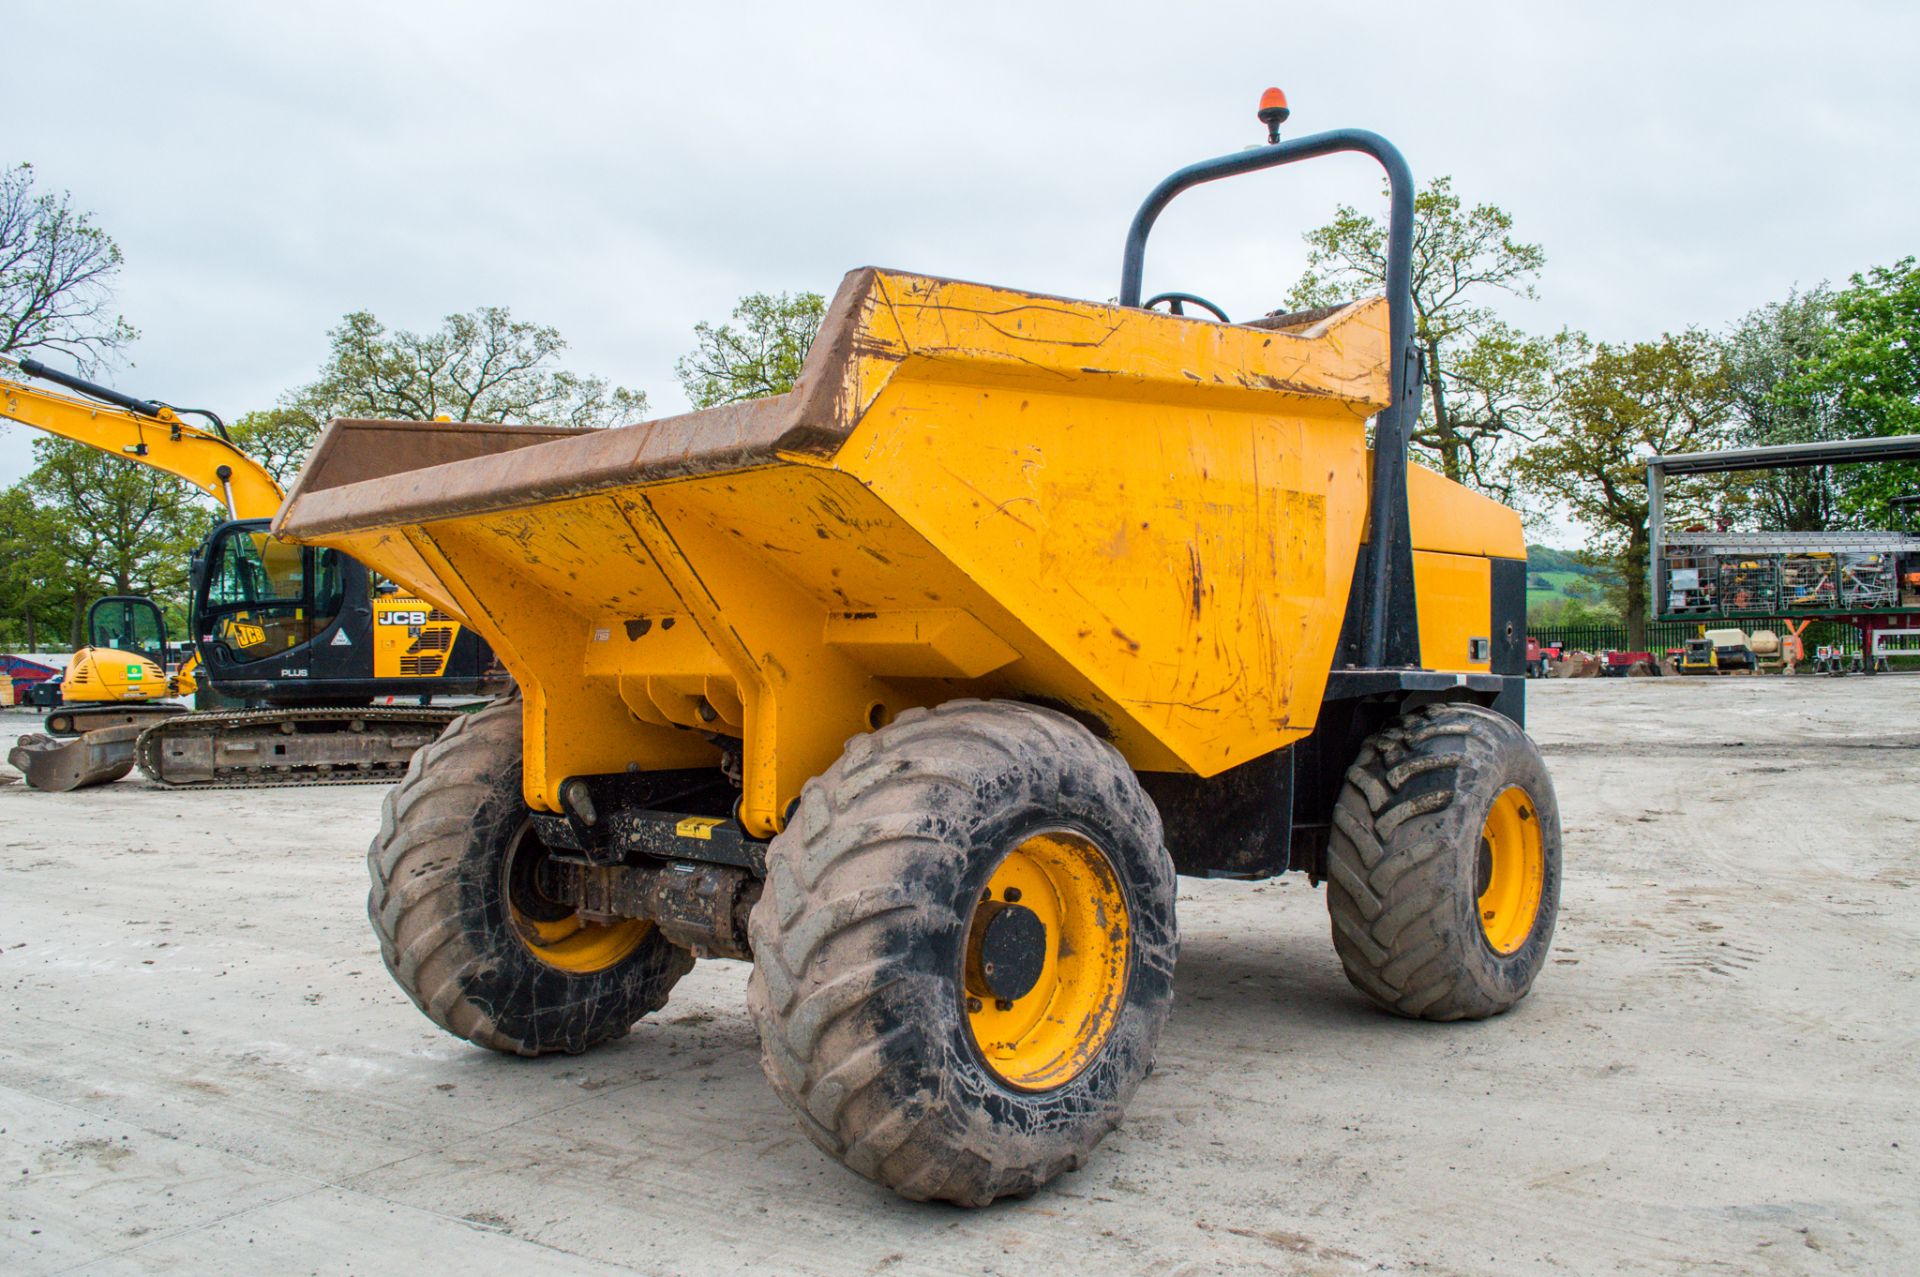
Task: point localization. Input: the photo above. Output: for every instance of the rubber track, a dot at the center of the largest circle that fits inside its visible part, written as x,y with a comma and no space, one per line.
146,750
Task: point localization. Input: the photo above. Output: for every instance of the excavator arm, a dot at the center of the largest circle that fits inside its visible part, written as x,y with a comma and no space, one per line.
185,681
141,430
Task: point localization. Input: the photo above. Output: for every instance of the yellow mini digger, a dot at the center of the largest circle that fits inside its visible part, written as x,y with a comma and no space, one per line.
123,676
111,692
918,685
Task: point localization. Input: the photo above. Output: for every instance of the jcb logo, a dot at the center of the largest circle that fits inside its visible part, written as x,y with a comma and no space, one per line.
403,618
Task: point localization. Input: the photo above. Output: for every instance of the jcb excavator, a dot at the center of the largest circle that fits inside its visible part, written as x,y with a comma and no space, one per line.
307,638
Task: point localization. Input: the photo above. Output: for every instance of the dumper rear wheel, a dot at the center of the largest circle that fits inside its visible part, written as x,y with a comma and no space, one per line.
964,953
463,925
1443,870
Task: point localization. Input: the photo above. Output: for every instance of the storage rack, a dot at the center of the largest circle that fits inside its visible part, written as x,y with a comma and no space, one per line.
1699,574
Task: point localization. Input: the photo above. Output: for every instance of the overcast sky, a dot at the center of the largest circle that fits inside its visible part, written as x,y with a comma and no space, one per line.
622,171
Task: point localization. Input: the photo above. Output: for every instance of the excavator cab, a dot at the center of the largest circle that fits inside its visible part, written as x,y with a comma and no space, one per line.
283,624
256,601
128,623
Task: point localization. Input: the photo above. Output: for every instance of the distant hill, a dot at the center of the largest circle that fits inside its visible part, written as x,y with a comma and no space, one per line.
1545,558
1561,574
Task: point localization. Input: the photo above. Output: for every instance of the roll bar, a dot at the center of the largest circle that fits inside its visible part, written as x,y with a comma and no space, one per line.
1389,633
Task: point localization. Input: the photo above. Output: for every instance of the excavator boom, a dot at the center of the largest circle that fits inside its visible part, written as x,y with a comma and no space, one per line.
153,434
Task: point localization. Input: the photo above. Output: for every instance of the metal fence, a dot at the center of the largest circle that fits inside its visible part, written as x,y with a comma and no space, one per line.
1662,635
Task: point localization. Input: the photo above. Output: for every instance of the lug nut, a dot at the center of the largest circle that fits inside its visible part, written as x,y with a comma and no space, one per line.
973,1005
1001,1004
1013,894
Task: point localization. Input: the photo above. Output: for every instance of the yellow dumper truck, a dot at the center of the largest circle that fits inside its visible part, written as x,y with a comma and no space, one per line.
917,685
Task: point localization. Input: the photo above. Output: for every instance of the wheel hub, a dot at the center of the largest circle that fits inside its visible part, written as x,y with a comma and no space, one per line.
1006,951
552,930
1511,871
1045,970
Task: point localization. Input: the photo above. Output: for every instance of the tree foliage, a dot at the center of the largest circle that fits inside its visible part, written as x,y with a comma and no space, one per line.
56,275
86,523
1622,404
278,438
1572,612
480,366
1547,558
34,605
1867,375
1487,382
1765,358
759,353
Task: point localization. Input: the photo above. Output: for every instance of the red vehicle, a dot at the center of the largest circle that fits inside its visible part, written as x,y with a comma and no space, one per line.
1618,663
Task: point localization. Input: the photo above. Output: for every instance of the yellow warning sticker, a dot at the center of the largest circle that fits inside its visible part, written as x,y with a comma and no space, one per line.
700,827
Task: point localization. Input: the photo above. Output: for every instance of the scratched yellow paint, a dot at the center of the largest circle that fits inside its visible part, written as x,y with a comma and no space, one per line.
1151,520
1190,566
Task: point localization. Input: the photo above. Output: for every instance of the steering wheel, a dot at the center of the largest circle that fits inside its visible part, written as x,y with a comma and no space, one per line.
1176,301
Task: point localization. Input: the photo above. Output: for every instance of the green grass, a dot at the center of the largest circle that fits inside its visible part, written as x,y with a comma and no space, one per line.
1560,579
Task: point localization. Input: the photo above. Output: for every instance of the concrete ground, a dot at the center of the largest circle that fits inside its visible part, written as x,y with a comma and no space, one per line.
204,1067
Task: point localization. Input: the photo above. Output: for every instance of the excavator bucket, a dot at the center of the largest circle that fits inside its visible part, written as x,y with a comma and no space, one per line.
76,762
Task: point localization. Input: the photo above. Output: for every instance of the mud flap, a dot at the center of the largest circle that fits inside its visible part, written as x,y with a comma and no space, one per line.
78,762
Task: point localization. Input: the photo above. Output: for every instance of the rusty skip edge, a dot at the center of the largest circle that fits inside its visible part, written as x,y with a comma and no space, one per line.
365,475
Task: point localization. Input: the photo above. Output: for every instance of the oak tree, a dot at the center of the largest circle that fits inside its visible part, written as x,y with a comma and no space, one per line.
1487,382
480,366
1613,410
759,353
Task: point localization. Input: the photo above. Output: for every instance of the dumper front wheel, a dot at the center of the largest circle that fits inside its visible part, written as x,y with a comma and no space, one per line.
462,922
964,954
1443,870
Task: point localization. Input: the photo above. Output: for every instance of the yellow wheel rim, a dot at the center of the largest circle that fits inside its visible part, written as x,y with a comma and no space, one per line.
577,946
1045,1035
554,934
1513,869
